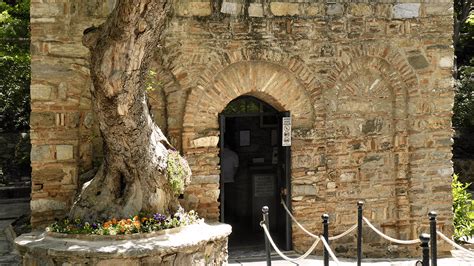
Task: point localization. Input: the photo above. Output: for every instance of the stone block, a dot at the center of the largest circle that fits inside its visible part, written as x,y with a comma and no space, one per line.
48,9
43,205
361,10
446,62
40,153
231,8
255,10
68,50
88,120
54,173
347,177
433,9
62,91
206,142
64,152
200,9
418,61
335,10
205,179
406,10
315,9
40,92
304,190
42,120
284,9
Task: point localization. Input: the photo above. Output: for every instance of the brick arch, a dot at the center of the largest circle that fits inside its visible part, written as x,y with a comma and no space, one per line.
267,81
387,60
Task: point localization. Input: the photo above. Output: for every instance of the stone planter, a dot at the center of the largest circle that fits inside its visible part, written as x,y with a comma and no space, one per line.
198,244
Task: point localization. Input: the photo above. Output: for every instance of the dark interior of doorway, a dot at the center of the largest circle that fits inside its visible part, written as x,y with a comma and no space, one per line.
252,131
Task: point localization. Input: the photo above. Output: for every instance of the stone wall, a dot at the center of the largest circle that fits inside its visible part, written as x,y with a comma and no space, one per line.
368,85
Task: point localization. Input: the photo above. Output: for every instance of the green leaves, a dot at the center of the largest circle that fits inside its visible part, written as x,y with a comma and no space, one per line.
464,99
463,208
177,172
14,66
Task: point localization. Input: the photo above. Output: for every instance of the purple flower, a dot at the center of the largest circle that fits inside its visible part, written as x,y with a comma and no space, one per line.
94,225
159,217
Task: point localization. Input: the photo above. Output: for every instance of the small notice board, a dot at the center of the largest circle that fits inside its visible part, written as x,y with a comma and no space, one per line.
286,132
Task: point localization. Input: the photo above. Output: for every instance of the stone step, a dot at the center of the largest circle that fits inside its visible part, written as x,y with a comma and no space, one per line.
15,192
9,260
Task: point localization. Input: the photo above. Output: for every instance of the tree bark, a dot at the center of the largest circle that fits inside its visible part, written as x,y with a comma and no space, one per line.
133,176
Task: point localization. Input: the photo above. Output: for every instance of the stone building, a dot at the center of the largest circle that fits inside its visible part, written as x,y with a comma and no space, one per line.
367,84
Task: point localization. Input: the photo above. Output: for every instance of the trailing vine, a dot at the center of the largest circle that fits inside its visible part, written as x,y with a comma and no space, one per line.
177,172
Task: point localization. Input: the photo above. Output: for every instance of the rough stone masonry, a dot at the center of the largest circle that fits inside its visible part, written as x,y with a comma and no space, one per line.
368,84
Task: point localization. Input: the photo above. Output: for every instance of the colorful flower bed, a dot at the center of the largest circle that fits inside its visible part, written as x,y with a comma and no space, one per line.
141,223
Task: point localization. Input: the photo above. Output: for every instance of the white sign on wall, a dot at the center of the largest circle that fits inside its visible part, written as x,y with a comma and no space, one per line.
286,132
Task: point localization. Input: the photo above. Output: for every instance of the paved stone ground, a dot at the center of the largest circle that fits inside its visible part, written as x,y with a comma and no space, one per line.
257,258
456,260
10,209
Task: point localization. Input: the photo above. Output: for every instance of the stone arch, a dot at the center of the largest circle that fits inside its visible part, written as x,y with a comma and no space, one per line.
266,81
388,73
385,59
194,72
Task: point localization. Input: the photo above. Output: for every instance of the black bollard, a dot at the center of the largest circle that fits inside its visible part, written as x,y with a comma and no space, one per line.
326,236
425,239
433,236
267,241
360,206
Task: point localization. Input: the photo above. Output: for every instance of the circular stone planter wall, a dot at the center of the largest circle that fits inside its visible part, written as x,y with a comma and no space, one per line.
198,244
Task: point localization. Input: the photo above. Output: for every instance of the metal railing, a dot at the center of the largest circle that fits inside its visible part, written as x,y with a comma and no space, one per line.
424,239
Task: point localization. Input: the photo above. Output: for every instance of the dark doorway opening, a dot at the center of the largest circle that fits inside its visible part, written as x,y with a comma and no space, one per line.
254,173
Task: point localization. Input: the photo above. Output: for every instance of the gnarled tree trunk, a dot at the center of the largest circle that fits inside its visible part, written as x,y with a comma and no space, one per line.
133,176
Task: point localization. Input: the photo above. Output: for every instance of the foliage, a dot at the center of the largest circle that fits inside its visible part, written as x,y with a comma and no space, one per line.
464,72
152,83
177,172
141,223
464,99
463,208
14,65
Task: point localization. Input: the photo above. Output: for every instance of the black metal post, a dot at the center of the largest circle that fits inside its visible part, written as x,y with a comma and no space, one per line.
433,236
267,241
326,236
360,206
425,239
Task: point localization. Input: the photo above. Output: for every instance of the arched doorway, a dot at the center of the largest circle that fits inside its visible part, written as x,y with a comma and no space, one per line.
255,172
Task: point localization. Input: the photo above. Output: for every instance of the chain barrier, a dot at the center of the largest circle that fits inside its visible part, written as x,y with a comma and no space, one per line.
454,244
269,237
311,234
391,239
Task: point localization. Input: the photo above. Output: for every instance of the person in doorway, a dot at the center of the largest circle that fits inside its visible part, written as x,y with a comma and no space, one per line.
230,164
229,167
